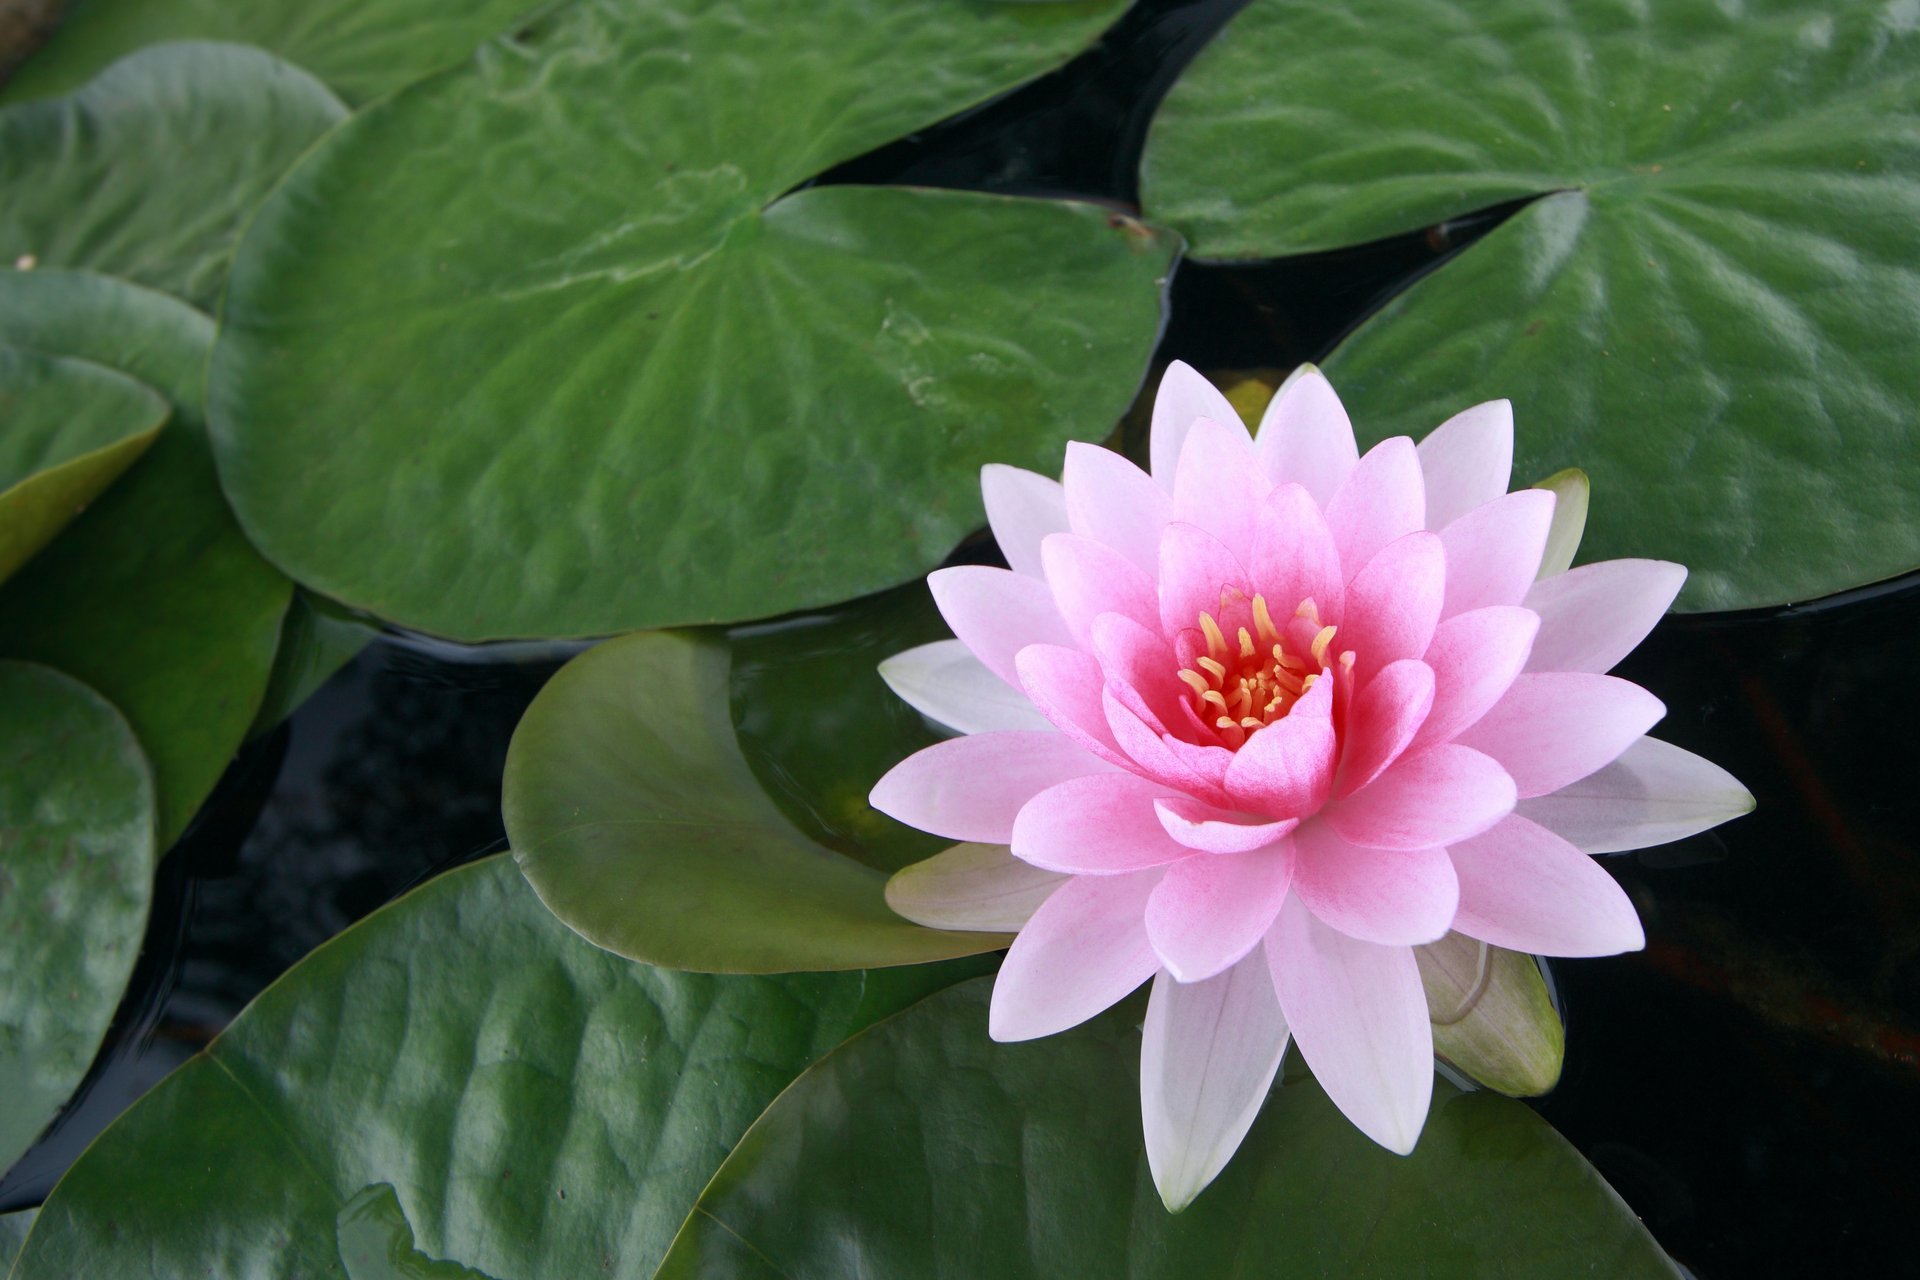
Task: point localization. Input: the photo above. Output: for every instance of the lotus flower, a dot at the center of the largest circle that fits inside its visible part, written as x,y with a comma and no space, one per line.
1257,725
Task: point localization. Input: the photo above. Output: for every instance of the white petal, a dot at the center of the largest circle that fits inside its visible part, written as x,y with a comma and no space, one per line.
1652,794
1593,616
1305,436
973,887
1571,492
1183,399
1084,950
944,682
1467,460
1208,1056
1022,508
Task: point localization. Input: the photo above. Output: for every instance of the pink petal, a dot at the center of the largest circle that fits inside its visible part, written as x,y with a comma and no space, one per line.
1393,605
1110,500
1099,825
1183,399
970,788
1396,897
1294,556
1553,728
944,682
1359,1014
1593,616
1468,460
1220,486
1022,508
996,613
1160,756
1286,769
1140,668
1493,551
1524,888
1065,685
1083,950
1305,437
1384,717
1475,658
1195,568
1208,1055
1208,913
978,887
1214,830
1444,794
1655,792
1090,578
1383,498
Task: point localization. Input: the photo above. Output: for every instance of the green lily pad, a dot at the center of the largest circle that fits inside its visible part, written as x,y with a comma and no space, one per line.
361,48
922,1148
76,875
672,388
71,428
1493,1017
376,1242
13,1234
154,596
317,638
1715,316
540,1107
148,171
638,821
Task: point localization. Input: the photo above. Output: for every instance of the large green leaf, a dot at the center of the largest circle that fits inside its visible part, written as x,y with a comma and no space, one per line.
361,48
154,596
550,345
1716,316
922,1148
638,821
76,874
71,428
149,170
540,1107
317,638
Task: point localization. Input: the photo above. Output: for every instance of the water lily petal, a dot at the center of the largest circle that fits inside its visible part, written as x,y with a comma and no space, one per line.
1397,897
1022,508
1286,769
1593,616
975,887
996,613
1090,578
1183,399
1305,436
1181,768
1210,829
1195,568
1295,557
970,788
1493,551
1220,486
1468,460
1382,721
1654,793
1443,794
1140,668
1572,491
1556,727
1110,500
1393,605
1475,658
1084,949
1524,888
1208,1055
1207,913
944,682
1098,825
1359,1014
1065,685
1383,498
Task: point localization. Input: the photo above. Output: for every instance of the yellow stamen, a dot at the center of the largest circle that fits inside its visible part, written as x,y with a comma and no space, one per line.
1246,644
1320,643
1216,643
1238,689
1214,669
1195,681
1263,623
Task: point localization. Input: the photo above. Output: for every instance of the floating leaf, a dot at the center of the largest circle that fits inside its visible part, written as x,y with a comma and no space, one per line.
922,1148
71,428
376,1242
154,596
1492,1014
13,1234
540,1107
678,384
317,638
76,875
149,169
639,823
1717,314
363,49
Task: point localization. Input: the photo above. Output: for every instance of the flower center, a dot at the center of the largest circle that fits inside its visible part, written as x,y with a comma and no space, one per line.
1249,681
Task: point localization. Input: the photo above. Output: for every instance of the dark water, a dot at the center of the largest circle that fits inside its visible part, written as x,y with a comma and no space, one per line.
1750,1083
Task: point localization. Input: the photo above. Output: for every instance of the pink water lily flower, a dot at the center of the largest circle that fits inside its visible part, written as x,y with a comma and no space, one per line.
1257,725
